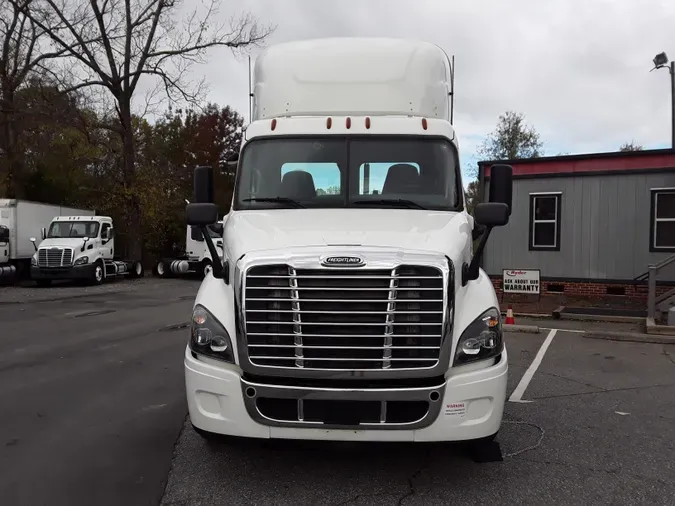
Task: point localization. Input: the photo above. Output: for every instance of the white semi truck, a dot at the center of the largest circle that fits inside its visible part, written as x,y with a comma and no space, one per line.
197,258
80,248
19,221
349,304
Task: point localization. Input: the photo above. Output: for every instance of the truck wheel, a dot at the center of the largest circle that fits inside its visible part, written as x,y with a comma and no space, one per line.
98,275
136,270
206,267
43,283
160,269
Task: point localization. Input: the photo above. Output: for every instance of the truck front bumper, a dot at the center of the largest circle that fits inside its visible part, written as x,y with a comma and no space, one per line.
75,272
468,406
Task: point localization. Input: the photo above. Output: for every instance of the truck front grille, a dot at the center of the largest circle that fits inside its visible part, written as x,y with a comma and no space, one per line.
55,257
344,319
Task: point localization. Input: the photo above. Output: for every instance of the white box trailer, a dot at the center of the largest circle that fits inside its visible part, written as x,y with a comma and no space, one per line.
19,221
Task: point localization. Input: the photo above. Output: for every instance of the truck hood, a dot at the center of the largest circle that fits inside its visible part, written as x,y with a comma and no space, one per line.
409,229
63,242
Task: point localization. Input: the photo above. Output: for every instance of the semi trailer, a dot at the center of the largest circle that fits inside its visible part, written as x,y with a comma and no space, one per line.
80,248
349,303
19,221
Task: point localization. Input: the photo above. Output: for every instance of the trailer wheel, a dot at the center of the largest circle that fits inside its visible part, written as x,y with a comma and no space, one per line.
206,267
160,269
98,275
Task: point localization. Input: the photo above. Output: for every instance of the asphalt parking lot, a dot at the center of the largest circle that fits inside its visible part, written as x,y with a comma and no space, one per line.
94,412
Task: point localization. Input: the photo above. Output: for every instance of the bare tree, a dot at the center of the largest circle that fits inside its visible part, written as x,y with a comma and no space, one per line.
22,58
630,146
117,42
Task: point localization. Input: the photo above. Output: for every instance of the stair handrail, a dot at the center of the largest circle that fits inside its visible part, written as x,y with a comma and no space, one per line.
653,272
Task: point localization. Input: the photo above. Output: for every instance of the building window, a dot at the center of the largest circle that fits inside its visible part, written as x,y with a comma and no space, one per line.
545,221
662,229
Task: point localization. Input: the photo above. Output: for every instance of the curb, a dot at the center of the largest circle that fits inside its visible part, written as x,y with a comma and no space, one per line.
629,336
600,318
532,315
528,329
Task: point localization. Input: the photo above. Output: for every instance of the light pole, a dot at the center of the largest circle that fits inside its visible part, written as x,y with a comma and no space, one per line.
661,61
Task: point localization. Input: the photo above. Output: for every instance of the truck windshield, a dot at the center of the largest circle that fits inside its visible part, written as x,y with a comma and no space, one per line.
385,172
62,229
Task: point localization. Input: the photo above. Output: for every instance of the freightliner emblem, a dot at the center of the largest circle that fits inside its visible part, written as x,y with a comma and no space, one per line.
342,261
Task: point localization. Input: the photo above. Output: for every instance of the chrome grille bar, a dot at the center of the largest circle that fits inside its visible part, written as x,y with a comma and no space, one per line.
297,321
346,319
55,257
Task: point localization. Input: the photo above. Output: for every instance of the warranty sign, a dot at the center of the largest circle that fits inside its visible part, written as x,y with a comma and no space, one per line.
520,281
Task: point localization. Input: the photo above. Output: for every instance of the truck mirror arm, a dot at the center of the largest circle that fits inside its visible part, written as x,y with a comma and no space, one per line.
471,271
220,271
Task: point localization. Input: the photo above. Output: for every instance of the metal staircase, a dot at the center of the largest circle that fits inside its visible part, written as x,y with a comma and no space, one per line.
657,306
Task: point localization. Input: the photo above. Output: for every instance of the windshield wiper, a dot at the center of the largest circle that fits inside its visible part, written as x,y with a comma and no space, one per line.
391,202
279,200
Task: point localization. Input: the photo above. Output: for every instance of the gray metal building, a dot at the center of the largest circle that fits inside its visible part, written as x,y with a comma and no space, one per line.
591,224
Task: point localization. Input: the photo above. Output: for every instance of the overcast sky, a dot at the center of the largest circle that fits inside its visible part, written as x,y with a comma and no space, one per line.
577,69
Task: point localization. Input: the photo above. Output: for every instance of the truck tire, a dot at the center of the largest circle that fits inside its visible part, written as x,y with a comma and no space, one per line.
98,274
43,283
136,270
206,267
160,269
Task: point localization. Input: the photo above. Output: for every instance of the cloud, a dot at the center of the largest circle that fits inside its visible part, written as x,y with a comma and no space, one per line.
578,70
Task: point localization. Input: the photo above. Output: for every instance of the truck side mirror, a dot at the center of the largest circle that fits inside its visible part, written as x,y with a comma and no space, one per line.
231,163
488,215
43,233
203,186
492,214
501,184
201,214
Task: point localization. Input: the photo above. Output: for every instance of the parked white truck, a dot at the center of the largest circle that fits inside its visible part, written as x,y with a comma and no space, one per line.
349,304
80,248
197,258
19,221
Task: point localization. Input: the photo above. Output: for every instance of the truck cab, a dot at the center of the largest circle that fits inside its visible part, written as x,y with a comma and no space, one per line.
79,248
349,304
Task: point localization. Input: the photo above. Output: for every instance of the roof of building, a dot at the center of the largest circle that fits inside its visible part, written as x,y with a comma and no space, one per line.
587,164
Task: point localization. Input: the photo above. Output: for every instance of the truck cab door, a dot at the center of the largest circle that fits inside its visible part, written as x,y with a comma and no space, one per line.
4,244
107,241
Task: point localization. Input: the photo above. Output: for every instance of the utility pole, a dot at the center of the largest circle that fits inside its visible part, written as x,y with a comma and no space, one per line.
672,104
661,61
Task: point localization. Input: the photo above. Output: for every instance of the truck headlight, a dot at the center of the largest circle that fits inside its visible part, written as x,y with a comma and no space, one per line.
482,339
208,337
82,260
33,260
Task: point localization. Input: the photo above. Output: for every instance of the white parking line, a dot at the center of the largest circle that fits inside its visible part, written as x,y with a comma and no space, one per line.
517,395
564,330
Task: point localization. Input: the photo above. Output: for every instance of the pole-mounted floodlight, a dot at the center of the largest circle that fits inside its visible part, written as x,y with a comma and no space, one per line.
661,61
